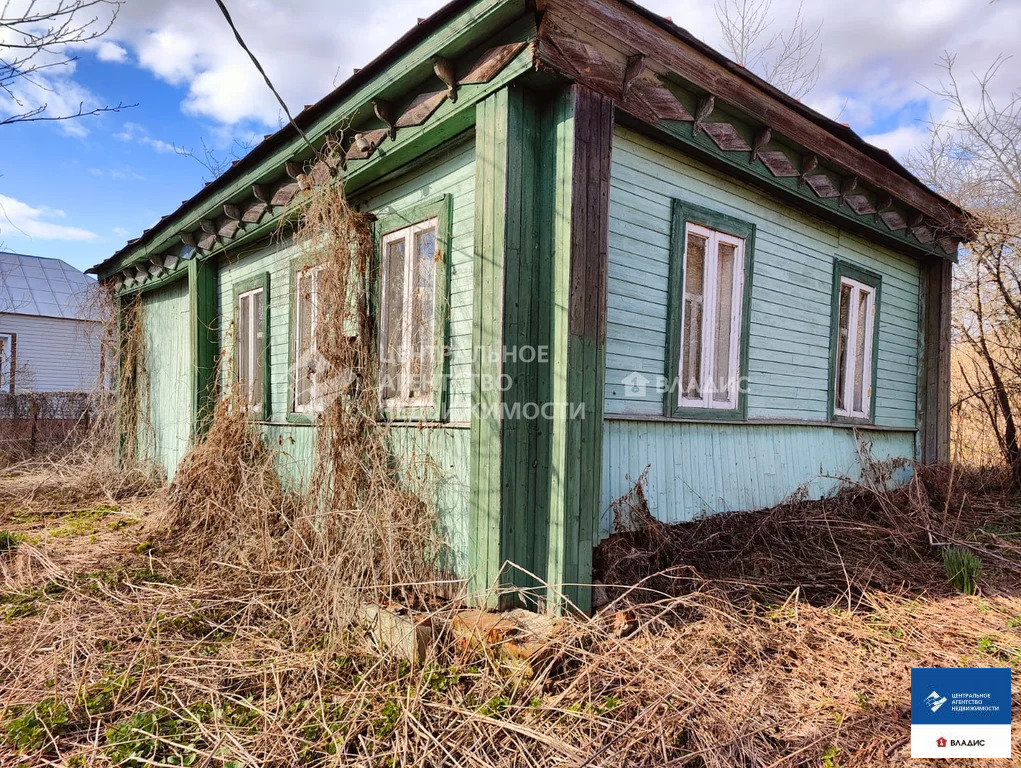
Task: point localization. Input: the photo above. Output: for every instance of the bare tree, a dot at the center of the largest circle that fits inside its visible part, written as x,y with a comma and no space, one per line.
37,39
974,158
787,59
214,162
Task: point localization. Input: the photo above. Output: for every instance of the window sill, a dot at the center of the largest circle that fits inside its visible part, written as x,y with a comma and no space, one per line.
753,422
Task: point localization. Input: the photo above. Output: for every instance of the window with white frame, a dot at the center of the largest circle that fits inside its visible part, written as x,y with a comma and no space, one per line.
308,366
710,316
408,316
251,352
8,351
856,317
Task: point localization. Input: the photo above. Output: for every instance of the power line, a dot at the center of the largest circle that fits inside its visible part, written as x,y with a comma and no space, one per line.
258,66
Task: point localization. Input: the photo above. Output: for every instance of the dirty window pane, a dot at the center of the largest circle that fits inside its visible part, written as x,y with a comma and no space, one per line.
258,354
691,349
860,352
843,318
422,330
722,373
393,336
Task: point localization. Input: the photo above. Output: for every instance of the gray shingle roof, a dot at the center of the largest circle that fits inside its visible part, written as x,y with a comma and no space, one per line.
33,285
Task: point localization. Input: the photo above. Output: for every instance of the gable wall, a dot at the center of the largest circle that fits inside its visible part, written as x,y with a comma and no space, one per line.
54,354
699,467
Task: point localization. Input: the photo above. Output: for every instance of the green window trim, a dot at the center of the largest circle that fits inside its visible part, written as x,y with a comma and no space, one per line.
297,265
260,280
440,209
684,213
842,269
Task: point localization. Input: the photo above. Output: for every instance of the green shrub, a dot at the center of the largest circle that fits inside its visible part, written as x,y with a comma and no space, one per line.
963,568
30,730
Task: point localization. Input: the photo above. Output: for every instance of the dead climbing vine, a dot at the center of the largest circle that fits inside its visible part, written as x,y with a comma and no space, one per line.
371,522
354,527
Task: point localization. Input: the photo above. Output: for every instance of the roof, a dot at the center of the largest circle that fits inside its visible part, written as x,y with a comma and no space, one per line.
312,114
35,285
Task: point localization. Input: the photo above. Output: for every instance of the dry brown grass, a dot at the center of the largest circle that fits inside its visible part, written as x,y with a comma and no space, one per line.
126,647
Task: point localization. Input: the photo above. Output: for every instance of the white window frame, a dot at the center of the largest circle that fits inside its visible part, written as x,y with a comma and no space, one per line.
857,288
710,277
255,342
315,405
407,234
8,363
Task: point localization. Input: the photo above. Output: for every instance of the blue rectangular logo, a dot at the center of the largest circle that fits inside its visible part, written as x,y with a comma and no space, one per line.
960,696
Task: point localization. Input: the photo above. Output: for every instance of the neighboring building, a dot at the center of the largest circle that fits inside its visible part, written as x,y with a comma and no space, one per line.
50,332
600,185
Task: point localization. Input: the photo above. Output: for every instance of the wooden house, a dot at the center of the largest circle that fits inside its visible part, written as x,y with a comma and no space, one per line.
714,282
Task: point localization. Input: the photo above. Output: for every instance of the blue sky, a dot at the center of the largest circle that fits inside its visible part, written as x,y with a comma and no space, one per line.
79,190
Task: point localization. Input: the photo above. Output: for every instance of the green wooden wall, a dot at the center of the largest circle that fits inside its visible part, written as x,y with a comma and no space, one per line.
165,434
704,468
698,467
435,457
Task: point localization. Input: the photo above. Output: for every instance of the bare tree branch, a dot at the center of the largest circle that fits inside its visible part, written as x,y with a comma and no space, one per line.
37,38
787,59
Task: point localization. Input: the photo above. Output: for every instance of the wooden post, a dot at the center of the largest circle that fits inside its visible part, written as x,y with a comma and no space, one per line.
539,342
583,132
934,361
202,287
505,467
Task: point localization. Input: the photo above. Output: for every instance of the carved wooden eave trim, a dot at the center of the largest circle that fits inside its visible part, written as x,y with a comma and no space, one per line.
274,197
600,43
652,74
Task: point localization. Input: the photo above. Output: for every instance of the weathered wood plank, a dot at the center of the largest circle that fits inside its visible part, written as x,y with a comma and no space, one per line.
421,109
491,63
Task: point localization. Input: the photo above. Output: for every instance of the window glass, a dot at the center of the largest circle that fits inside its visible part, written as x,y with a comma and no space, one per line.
711,319
250,347
307,363
408,335
852,379
691,355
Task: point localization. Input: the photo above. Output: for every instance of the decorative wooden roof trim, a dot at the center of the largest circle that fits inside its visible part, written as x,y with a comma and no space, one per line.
640,74
610,65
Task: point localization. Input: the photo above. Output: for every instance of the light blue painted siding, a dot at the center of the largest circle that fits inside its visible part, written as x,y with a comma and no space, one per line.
703,468
699,468
791,291
164,437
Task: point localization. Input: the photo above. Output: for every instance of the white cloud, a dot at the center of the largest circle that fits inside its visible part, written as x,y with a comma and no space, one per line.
138,133
900,141
19,219
221,83
110,51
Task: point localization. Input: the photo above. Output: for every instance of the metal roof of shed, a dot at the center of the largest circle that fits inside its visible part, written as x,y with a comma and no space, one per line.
35,285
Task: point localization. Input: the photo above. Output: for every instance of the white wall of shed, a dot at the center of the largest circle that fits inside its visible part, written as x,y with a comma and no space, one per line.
53,354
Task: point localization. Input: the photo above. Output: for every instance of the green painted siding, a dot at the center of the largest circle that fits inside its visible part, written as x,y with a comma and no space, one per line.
791,291
453,173
165,434
443,451
708,468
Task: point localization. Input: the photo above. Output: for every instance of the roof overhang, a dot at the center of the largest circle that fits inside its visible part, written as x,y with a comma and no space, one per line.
422,90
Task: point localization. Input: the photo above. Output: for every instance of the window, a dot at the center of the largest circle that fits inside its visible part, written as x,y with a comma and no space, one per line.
408,315
855,303
8,361
710,272
250,326
308,373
